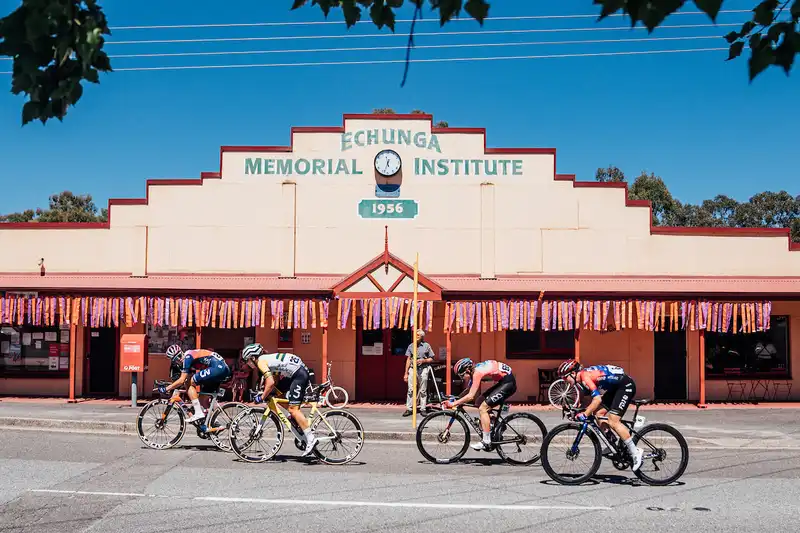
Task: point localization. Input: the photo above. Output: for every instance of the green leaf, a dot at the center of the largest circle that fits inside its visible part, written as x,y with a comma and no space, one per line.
760,58
784,55
764,13
735,50
382,15
732,36
747,27
447,9
654,13
91,75
76,93
30,112
609,7
352,13
795,11
709,7
102,62
478,9
298,3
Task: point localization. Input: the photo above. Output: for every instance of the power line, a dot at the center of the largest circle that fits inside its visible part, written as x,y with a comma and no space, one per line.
430,46
423,34
432,60
434,19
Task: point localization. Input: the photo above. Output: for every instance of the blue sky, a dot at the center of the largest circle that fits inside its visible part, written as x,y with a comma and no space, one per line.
691,118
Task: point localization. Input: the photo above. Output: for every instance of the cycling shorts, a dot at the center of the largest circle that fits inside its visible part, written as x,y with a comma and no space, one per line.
617,399
211,377
294,387
501,391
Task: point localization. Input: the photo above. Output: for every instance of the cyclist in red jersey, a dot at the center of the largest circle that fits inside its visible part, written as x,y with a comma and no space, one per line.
498,393
619,390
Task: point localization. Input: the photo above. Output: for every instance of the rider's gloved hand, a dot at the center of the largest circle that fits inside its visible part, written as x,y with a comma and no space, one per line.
447,404
259,398
581,417
162,389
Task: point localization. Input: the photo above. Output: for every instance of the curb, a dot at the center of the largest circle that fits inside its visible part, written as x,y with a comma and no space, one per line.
129,429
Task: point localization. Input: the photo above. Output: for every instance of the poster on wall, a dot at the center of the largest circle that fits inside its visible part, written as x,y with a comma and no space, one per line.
53,363
63,363
38,335
26,339
51,336
65,336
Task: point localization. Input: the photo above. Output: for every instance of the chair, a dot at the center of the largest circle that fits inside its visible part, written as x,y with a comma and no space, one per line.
546,378
781,387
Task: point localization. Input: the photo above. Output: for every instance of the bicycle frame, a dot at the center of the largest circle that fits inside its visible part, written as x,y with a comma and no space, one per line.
201,425
289,423
475,422
591,424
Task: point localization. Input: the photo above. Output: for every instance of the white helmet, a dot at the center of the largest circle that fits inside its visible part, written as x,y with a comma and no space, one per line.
252,350
175,352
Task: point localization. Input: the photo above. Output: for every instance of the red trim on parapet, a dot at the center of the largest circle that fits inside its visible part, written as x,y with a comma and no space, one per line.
654,230
676,230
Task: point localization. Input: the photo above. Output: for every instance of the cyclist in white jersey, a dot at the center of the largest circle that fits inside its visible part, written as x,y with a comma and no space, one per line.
295,380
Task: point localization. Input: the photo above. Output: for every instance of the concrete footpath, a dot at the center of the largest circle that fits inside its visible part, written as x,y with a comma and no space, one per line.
723,426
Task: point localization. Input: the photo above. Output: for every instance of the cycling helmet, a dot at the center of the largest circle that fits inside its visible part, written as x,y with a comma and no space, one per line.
462,365
175,352
252,350
568,367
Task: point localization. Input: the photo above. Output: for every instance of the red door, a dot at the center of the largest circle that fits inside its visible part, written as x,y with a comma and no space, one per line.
380,361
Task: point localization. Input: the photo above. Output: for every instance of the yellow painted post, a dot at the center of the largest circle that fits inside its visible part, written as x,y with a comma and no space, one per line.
414,346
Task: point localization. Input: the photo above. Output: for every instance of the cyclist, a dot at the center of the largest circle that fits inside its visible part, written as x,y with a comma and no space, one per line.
619,390
210,371
498,393
295,381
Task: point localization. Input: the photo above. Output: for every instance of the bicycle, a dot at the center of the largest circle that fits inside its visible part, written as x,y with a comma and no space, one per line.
250,425
499,426
560,391
326,393
616,450
217,420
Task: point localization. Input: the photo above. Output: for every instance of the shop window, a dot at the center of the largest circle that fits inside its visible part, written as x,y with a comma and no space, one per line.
161,337
759,354
539,344
34,350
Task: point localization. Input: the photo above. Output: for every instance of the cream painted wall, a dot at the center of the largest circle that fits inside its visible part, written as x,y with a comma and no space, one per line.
528,223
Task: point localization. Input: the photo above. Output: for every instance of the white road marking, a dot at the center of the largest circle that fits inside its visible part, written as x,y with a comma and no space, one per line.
412,505
90,493
344,503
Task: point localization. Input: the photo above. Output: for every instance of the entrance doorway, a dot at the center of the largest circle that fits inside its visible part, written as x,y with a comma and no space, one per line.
380,361
101,362
670,365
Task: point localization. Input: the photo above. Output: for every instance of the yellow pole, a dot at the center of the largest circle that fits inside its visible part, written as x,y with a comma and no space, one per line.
414,345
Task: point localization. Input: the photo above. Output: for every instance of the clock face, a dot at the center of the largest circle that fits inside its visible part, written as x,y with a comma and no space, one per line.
387,163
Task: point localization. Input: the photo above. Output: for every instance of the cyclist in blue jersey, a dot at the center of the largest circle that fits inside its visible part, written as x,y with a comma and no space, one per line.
210,370
619,390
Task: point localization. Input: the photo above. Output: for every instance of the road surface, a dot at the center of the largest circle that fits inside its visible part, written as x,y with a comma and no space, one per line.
66,482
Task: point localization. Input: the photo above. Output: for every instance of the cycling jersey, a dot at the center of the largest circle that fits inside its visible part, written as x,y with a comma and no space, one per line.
605,377
199,359
494,370
285,364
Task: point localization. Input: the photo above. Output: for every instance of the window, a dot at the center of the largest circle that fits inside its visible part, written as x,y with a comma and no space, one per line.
34,350
759,354
539,344
285,335
160,337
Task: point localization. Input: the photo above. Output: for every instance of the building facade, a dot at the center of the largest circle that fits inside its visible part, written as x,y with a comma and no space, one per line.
309,248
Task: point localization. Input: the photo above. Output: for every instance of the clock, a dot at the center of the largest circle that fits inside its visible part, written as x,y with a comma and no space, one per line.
387,163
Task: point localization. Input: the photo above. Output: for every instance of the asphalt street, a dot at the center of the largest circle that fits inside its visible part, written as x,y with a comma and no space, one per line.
65,482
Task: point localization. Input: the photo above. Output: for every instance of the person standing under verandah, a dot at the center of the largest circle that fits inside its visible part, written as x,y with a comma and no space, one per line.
425,357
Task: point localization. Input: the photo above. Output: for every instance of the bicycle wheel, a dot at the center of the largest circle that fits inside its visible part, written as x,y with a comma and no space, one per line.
336,398
221,418
338,431
444,430
561,441
657,453
526,433
252,443
151,424
561,392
